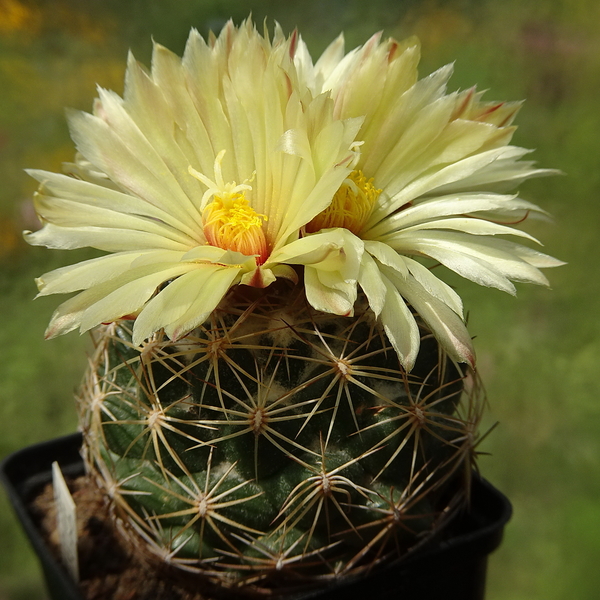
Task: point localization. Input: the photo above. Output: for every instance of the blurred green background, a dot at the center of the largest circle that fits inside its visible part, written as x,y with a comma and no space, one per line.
537,353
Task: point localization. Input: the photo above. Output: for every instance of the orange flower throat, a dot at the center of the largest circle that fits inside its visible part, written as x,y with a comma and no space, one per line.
232,224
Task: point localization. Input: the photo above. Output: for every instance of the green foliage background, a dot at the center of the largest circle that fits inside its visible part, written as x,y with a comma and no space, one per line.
538,354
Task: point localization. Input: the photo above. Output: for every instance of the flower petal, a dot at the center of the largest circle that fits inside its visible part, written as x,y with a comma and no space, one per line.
84,192
92,272
134,164
330,250
143,100
529,255
448,206
329,293
448,328
484,261
386,255
434,286
453,174
332,261
102,238
470,225
185,302
66,213
370,281
113,299
399,323
130,296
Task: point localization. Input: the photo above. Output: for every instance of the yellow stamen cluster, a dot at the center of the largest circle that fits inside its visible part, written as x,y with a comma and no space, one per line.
232,224
350,207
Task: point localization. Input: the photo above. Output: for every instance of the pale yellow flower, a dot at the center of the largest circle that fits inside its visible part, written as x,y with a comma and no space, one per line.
430,182
200,178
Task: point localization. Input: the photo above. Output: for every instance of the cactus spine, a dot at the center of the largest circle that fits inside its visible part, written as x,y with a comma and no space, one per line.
275,445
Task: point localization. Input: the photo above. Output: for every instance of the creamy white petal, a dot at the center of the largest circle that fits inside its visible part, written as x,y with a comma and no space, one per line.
262,277
470,225
84,192
330,156
67,213
429,182
331,250
144,99
110,240
454,141
133,164
189,129
92,272
329,292
369,279
214,254
386,255
102,238
332,262
399,324
83,170
434,286
500,253
483,261
327,62
502,175
391,111
130,296
397,169
185,302
204,304
446,325
68,316
529,255
447,206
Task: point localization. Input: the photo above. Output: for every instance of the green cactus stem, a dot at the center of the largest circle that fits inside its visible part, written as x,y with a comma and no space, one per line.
276,446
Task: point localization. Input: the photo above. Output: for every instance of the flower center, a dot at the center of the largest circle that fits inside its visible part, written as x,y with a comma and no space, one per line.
232,224
350,207
228,221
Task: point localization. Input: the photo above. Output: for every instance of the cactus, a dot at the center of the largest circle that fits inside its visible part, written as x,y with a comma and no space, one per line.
275,443
282,391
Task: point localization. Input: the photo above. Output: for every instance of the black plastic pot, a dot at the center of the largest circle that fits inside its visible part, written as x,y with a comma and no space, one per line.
451,569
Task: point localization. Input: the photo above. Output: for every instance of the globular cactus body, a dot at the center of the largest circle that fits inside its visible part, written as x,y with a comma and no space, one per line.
276,445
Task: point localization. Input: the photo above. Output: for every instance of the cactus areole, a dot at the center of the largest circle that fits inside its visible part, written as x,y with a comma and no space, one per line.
282,391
